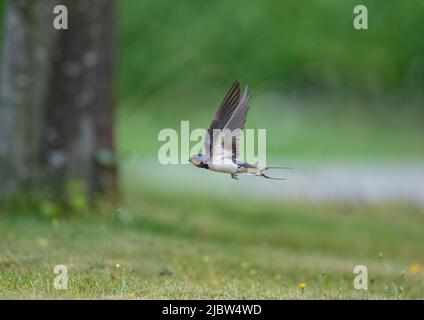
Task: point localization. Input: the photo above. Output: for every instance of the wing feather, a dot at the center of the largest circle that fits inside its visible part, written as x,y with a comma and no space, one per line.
230,118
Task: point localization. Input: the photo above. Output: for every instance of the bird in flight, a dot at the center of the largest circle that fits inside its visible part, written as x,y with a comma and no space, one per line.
223,136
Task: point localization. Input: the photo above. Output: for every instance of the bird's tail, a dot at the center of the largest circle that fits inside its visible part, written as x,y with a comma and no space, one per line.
261,172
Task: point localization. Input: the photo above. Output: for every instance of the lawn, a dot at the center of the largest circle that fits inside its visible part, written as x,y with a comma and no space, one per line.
184,244
328,93
164,246
318,128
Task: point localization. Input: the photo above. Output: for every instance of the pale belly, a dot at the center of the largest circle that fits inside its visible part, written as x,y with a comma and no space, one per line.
226,168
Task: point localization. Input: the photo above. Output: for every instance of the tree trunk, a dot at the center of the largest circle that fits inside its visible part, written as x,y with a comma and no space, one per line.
57,100
24,86
78,137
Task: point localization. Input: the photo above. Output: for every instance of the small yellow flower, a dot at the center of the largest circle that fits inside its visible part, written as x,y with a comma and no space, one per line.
117,265
415,268
252,272
206,259
302,286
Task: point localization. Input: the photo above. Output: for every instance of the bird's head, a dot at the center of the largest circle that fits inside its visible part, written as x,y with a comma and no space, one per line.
199,160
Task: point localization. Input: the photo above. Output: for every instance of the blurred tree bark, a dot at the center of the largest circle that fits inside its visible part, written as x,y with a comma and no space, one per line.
57,91
24,81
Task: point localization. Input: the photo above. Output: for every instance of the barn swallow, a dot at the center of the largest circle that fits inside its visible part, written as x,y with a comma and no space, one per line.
223,137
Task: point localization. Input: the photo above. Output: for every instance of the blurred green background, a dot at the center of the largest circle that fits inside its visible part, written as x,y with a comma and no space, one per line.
331,97
331,90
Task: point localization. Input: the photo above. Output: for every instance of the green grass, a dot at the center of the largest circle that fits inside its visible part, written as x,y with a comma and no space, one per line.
216,248
322,89
315,128
211,248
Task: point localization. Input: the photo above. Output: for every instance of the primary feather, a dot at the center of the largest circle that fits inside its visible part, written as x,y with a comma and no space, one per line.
228,123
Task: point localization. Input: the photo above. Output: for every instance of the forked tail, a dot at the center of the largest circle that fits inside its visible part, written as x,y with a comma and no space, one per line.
262,172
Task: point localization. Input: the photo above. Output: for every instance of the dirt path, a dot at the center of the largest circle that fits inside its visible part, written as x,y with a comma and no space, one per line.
364,182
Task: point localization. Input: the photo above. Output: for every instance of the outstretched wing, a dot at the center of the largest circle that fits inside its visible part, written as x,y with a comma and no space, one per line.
229,119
